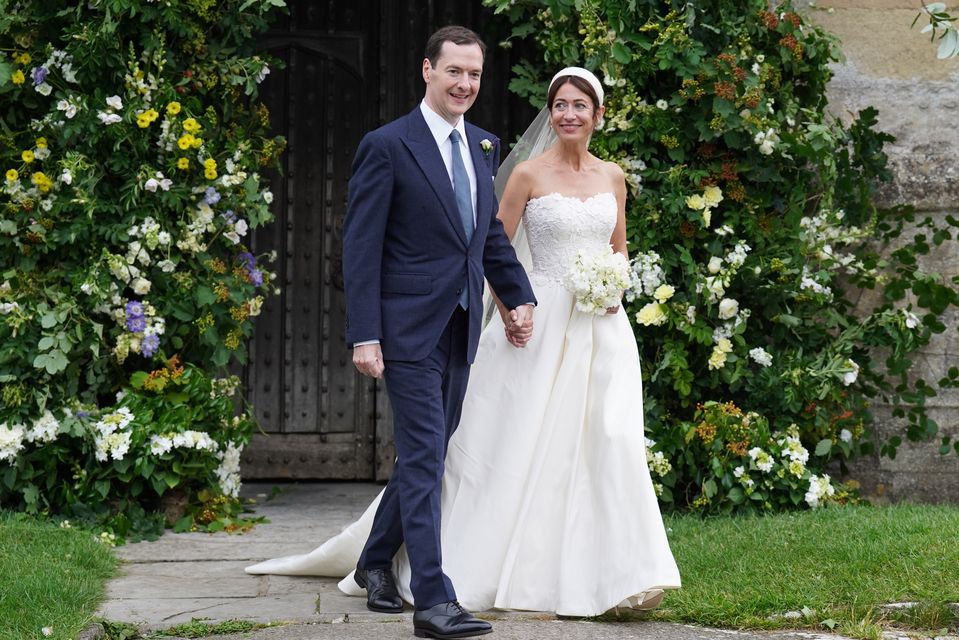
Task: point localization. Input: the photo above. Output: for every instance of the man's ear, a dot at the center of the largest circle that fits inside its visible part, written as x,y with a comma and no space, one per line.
427,67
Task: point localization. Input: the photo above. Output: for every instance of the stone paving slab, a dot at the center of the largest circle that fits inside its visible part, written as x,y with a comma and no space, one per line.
182,577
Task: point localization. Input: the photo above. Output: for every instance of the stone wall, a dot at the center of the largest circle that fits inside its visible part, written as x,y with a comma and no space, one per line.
894,68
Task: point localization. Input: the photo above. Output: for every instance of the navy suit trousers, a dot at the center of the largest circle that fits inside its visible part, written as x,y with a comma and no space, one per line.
427,399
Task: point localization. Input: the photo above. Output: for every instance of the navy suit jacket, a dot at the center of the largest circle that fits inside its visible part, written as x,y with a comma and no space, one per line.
405,255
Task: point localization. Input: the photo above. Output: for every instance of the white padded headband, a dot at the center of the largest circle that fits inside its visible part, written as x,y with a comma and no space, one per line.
586,75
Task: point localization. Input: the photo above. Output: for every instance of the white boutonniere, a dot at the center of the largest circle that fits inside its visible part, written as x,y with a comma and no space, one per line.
486,146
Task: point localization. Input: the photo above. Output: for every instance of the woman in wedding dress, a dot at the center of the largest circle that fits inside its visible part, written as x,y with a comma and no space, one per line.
547,499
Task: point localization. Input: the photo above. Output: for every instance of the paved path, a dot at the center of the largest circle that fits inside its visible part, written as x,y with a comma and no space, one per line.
181,577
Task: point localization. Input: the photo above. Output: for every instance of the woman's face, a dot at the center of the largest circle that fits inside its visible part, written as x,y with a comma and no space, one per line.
572,115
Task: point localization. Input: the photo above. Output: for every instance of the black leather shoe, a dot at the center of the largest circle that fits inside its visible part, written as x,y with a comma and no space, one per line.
381,593
448,620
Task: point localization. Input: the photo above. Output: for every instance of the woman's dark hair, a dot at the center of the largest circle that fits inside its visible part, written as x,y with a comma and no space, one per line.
455,34
580,83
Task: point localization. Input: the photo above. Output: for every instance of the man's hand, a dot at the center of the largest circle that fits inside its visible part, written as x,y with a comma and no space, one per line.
368,359
520,327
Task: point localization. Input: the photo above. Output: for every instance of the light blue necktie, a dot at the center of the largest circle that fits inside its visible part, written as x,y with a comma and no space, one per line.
464,200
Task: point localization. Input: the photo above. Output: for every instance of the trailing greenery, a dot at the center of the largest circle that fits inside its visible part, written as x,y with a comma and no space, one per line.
753,232
54,578
131,142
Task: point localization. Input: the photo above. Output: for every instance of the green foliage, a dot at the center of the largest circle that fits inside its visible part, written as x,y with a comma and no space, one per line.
131,143
56,577
753,229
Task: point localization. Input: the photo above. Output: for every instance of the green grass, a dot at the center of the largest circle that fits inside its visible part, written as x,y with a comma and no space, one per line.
49,577
838,566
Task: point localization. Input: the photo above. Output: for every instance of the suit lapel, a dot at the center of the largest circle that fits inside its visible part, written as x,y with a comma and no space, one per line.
423,147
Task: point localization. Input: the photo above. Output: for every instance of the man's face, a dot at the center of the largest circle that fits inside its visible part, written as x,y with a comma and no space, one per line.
452,85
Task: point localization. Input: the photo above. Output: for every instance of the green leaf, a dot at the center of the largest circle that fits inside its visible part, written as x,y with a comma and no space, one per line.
709,488
622,53
183,525
823,447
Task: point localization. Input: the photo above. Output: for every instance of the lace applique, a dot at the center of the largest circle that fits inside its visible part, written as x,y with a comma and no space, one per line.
558,227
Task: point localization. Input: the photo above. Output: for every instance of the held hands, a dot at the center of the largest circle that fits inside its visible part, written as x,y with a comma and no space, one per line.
519,325
368,359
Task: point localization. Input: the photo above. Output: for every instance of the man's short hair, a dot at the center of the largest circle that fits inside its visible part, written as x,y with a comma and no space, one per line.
455,34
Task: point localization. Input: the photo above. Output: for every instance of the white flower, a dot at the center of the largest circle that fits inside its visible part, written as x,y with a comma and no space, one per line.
108,118
151,185
728,308
66,177
233,236
851,373
715,264
598,280
662,104
262,74
68,108
764,461
11,440
793,449
760,58
761,356
691,314
160,445
45,428
48,631
114,102
163,238
755,68
141,286
44,89
167,266
267,196
912,320
819,488
87,288
9,307
739,471
240,227
845,435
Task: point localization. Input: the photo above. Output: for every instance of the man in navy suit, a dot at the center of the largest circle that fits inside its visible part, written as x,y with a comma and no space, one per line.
420,236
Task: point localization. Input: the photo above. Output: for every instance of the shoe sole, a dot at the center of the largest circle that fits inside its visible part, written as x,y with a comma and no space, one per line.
423,633
362,584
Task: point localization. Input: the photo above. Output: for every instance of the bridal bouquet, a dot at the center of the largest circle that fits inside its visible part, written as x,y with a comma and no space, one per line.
598,280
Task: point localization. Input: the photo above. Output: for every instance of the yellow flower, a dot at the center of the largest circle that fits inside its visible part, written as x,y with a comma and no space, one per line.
142,121
695,202
210,174
651,314
23,59
183,163
42,181
41,143
196,142
173,108
713,195
17,77
185,141
190,125
151,114
663,293
209,164
27,156
12,175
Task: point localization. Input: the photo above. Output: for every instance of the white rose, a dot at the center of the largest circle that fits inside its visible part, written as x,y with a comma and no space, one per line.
141,286
728,308
715,264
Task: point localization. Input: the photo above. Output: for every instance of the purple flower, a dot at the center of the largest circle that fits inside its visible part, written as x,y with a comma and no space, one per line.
150,345
39,75
134,309
228,215
211,197
256,277
83,414
246,259
136,325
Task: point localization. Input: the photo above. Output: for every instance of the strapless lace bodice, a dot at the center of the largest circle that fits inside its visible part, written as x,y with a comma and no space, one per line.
558,227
